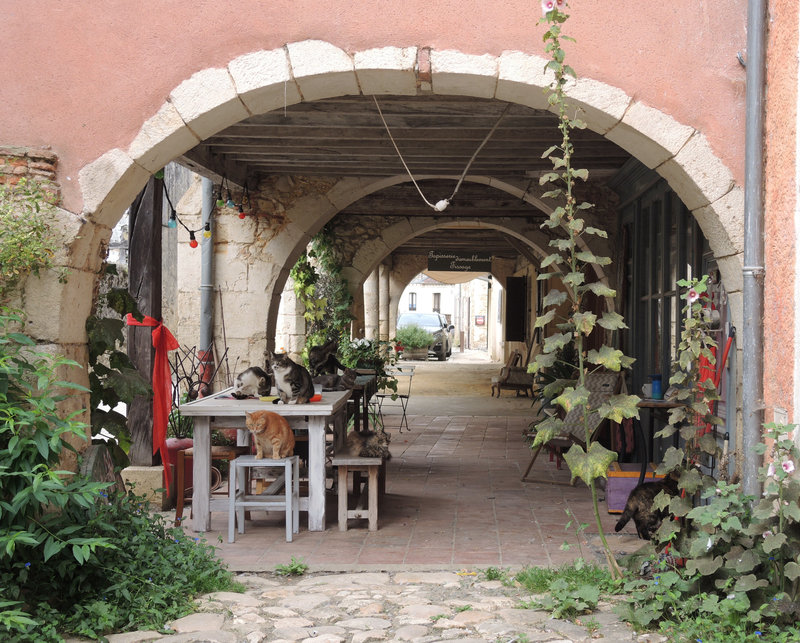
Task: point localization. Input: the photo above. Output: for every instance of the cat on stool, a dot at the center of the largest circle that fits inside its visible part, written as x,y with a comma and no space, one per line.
292,381
271,433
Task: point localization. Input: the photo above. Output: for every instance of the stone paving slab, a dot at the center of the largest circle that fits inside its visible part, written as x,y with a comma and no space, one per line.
420,607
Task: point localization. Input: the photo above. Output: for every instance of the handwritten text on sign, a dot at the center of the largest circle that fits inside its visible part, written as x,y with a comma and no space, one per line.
459,262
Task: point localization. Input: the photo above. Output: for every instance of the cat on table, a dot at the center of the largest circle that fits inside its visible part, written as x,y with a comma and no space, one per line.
254,382
293,381
271,433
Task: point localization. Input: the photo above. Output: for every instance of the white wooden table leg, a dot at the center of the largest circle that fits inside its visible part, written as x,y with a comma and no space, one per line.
201,474
316,474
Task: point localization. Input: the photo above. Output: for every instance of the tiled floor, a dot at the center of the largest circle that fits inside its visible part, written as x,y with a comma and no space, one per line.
454,499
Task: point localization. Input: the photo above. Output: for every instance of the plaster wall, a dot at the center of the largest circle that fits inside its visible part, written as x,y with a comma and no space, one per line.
781,390
116,66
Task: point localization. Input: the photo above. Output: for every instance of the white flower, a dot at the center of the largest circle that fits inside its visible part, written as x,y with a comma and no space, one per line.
787,466
766,534
547,6
693,295
771,470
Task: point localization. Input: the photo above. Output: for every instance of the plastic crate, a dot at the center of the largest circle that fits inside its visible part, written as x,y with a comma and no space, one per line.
622,479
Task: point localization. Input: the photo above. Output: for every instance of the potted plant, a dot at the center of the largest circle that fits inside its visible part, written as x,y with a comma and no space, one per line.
415,341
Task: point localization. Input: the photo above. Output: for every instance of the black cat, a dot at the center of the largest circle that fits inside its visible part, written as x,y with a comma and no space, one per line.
640,506
322,359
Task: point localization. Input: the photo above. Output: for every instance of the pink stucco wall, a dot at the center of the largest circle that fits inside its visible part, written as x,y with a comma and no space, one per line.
780,206
82,77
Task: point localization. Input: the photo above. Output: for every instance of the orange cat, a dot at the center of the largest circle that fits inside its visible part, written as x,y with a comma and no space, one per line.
271,433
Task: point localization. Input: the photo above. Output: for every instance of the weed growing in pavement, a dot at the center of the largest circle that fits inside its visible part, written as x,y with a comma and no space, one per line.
295,568
567,591
496,573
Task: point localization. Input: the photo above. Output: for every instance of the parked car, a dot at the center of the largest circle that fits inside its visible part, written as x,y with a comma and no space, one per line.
436,324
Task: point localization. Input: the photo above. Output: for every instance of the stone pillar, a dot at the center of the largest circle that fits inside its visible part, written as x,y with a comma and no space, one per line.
371,306
291,334
383,300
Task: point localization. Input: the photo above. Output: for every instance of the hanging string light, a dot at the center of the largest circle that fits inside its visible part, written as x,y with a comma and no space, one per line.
245,197
174,220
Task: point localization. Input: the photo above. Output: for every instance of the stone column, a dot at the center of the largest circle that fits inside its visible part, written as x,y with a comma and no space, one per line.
371,306
383,299
291,334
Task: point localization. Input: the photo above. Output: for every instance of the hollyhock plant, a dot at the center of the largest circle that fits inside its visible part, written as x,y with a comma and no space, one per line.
549,5
788,466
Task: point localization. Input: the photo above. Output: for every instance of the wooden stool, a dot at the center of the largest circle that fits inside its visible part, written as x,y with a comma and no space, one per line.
376,472
217,453
240,498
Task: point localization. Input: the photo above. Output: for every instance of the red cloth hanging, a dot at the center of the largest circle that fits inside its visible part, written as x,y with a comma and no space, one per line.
163,341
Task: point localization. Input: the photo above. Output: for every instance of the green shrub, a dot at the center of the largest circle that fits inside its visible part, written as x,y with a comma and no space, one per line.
72,558
413,336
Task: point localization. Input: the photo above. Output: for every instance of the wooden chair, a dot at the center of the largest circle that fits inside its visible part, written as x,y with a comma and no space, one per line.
375,468
601,386
513,377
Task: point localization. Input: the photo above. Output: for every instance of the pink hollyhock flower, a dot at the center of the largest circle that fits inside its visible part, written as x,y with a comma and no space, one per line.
771,470
693,296
549,5
787,466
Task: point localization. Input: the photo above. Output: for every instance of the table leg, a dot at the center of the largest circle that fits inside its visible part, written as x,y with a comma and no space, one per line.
316,474
201,473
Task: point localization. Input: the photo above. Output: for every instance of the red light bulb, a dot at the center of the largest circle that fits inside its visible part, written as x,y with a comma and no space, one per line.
241,212
192,240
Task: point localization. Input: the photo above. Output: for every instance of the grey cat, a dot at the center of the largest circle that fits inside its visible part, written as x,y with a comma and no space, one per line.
640,506
254,382
332,382
293,381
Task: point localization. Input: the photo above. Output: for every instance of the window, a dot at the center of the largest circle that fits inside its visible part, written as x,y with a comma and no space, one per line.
412,301
437,302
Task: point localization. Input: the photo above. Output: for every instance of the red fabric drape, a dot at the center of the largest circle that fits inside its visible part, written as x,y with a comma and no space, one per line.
163,341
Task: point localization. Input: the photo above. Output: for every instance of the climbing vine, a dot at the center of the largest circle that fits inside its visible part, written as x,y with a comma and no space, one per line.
323,291
569,264
27,242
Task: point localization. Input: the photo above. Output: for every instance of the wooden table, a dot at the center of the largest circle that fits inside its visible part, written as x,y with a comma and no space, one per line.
222,410
653,405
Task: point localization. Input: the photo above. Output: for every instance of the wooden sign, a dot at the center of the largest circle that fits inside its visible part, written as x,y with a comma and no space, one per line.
459,261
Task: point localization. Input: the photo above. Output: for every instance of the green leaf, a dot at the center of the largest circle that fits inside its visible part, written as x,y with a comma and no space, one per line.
580,174
589,465
549,151
574,278
608,357
543,320
600,289
619,407
704,566
554,298
673,458
584,322
556,341
791,570
690,480
547,429
773,542
554,258
749,582
612,321
708,443
590,257
597,231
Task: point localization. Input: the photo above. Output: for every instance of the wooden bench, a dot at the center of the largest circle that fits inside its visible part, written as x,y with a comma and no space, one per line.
375,468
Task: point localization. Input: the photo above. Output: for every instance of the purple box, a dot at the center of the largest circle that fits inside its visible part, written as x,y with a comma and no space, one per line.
622,479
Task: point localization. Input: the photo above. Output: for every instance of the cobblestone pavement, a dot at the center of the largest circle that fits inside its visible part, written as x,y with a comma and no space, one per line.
422,607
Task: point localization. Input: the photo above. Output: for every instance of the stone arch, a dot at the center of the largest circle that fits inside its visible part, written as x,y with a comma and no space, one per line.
261,81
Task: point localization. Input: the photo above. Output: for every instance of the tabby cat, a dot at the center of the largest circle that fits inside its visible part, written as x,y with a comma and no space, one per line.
271,433
368,444
293,381
640,506
254,382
